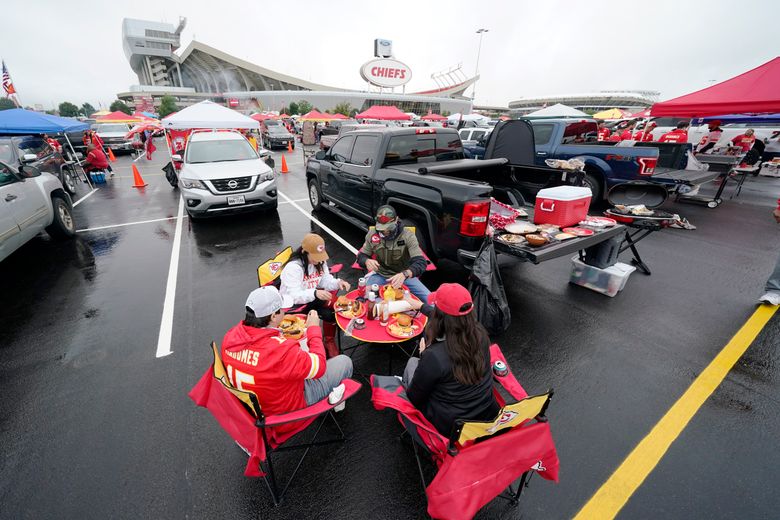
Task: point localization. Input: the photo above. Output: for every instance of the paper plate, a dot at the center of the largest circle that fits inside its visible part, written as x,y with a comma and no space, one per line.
417,326
578,231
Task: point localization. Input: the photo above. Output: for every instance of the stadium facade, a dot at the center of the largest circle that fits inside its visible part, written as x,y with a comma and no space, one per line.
631,100
203,72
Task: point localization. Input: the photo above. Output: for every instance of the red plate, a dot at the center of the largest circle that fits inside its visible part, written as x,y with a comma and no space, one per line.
364,309
606,220
580,232
416,322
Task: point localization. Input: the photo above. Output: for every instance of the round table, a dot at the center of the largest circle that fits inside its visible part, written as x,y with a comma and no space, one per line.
374,332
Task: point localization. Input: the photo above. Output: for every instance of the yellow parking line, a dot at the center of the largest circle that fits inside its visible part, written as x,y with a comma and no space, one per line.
615,492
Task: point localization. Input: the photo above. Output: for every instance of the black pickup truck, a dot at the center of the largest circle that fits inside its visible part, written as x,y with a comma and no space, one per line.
422,173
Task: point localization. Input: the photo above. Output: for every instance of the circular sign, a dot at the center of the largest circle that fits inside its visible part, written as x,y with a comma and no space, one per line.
385,72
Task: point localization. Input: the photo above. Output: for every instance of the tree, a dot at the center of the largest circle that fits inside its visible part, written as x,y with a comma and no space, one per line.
304,107
120,106
446,113
167,106
6,103
344,109
68,109
87,110
294,110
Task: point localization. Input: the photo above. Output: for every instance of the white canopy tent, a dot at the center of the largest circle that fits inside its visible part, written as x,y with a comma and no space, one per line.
476,118
556,110
208,114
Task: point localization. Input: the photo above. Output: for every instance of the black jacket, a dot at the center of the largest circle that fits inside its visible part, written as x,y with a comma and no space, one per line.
442,399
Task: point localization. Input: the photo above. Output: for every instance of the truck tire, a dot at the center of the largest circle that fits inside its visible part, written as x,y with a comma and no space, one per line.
422,236
63,226
68,180
315,195
594,182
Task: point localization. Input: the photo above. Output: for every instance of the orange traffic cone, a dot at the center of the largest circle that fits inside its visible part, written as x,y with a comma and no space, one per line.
284,165
138,181
111,156
289,146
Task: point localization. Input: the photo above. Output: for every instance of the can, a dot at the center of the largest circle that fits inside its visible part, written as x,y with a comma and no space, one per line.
499,368
362,287
375,288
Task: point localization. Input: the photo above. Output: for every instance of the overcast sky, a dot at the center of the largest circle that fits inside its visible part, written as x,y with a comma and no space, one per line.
72,51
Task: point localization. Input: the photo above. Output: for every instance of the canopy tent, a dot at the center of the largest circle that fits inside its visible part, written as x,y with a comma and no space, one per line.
386,113
208,114
741,118
262,117
612,113
643,114
21,121
339,116
477,118
556,110
146,116
284,116
316,116
754,92
99,113
118,117
433,117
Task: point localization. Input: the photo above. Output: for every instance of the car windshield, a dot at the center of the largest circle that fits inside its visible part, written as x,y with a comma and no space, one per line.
220,151
277,130
111,128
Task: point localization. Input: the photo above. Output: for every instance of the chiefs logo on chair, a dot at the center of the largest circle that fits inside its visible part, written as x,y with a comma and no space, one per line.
507,416
274,267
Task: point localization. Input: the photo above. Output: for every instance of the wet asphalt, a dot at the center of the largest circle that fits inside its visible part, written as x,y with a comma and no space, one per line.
93,425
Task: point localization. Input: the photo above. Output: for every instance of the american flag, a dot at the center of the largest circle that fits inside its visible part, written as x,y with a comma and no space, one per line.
8,86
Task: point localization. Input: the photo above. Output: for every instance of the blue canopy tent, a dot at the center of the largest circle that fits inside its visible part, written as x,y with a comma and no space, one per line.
742,118
18,121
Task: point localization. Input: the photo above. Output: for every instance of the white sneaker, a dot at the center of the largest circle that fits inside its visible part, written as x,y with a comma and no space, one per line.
770,297
337,394
340,407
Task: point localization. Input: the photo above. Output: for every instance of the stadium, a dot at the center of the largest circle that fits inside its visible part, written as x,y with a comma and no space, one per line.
630,100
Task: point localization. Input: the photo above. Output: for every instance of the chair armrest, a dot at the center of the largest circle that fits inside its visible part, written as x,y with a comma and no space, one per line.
314,410
509,382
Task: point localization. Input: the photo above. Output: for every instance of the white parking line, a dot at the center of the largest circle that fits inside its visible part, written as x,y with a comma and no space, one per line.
84,197
332,233
166,324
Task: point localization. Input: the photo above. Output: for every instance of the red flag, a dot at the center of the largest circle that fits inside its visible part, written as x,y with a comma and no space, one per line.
8,85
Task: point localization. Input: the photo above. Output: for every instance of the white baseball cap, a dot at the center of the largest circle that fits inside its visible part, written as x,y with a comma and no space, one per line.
265,301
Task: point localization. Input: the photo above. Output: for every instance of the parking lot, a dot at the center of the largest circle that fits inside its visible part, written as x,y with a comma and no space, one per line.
95,410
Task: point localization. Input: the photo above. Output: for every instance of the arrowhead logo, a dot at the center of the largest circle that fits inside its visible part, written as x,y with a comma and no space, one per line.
538,466
274,267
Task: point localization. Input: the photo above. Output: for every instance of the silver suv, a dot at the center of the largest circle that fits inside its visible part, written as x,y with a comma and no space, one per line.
31,202
222,173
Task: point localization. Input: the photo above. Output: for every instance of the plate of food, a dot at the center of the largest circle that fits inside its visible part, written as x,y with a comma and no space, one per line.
520,228
509,238
398,294
536,240
564,236
404,326
608,222
579,231
293,326
548,228
348,308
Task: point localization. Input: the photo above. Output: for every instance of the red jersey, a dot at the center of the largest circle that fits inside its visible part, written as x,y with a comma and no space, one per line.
97,141
603,134
97,159
626,135
744,141
274,368
677,135
642,136
614,137
55,145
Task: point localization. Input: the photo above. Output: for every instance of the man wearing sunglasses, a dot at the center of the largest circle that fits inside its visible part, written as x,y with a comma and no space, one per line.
398,259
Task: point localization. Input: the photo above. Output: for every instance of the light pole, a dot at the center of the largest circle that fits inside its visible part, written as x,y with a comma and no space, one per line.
481,33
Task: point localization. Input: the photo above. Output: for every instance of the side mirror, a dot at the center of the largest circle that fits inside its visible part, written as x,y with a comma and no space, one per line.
320,155
176,157
28,172
29,157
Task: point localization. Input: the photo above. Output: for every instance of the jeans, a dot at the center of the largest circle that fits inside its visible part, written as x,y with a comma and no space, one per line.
773,284
339,368
415,286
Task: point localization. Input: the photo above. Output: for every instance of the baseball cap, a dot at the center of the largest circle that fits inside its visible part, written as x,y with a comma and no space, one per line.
385,218
265,301
452,299
314,245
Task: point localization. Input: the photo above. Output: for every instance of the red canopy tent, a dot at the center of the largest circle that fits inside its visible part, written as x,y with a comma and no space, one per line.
389,113
433,117
284,116
753,92
339,116
118,117
262,117
642,113
316,116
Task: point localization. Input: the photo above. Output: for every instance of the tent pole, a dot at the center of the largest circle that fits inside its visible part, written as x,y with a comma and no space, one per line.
73,150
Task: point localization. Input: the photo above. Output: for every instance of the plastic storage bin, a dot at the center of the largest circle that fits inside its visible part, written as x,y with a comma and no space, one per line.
609,281
98,177
562,205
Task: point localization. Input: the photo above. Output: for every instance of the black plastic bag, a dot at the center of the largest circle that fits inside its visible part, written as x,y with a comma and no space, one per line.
487,291
170,174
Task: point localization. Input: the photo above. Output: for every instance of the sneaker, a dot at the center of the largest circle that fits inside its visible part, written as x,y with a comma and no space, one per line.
770,297
340,407
337,394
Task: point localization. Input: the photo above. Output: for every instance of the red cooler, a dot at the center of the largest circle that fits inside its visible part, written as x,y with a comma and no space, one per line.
562,205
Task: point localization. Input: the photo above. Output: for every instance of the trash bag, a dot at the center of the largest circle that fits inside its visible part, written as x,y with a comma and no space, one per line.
170,174
487,291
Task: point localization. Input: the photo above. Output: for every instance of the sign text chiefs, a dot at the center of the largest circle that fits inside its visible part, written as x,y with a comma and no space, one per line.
386,72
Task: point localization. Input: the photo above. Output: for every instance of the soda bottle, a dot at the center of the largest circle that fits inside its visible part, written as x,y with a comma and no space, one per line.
362,287
371,302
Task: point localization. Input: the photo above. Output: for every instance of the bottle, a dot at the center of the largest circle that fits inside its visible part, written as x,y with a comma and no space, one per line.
362,288
371,303
385,314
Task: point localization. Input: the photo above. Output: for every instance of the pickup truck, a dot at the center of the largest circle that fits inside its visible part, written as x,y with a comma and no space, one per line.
422,173
327,139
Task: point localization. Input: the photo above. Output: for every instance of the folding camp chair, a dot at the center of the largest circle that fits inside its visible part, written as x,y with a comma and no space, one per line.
479,461
240,415
429,265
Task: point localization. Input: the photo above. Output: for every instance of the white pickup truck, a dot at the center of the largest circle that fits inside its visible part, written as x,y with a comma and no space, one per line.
31,202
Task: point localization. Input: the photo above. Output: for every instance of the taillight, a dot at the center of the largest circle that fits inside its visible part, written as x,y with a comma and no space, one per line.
425,131
475,219
647,165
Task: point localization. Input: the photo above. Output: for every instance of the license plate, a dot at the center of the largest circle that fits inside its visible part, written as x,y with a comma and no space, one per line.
236,200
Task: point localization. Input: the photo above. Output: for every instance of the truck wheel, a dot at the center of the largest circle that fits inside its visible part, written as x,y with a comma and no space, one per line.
63,225
315,195
422,238
594,183
69,181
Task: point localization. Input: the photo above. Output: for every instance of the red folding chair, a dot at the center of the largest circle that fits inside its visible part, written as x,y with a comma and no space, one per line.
240,415
479,461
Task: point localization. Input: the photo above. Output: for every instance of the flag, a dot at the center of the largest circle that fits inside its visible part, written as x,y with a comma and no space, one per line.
8,86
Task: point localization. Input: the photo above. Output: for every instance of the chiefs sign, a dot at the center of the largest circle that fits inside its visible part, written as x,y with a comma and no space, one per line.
386,72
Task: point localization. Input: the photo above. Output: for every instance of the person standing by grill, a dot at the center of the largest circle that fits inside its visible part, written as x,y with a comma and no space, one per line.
772,288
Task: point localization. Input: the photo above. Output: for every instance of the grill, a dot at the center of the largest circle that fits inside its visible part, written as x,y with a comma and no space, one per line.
235,184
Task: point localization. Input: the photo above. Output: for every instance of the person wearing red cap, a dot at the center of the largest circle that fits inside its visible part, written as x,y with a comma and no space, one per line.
709,141
772,289
452,379
306,280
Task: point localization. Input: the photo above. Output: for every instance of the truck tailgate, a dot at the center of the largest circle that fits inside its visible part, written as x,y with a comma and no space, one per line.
558,249
691,177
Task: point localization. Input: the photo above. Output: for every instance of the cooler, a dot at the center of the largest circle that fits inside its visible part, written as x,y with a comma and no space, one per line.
563,205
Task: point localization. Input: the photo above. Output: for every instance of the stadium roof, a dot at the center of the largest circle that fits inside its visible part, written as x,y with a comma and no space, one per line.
616,99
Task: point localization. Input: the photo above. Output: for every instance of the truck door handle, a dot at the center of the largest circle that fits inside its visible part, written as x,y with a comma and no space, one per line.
365,178
10,197
541,153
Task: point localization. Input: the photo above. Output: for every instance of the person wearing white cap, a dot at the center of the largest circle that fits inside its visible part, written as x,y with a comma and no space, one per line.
284,375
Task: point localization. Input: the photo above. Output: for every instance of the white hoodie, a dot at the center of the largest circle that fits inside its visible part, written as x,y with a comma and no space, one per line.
301,287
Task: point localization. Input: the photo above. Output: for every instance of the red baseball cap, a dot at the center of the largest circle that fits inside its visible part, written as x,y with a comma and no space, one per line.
452,299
